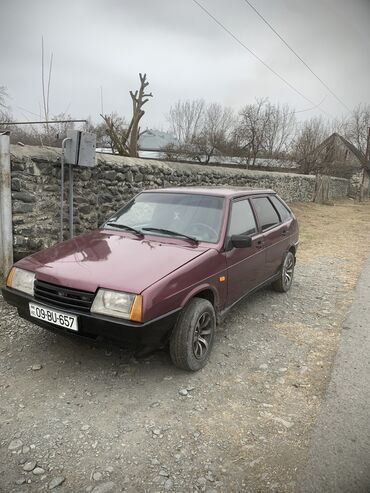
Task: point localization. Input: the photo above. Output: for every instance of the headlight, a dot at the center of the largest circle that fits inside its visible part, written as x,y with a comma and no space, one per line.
22,280
118,304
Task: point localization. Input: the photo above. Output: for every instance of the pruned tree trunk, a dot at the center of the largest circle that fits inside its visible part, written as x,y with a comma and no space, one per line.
364,187
139,98
125,143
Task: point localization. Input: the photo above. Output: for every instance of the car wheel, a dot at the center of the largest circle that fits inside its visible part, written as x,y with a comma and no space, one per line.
284,282
192,338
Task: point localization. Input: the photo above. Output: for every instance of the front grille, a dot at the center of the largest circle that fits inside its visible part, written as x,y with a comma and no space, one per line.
62,297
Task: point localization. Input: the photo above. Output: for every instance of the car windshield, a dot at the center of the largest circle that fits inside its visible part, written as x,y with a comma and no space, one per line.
196,216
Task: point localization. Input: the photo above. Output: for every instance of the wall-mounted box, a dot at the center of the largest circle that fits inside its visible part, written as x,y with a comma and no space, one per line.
80,149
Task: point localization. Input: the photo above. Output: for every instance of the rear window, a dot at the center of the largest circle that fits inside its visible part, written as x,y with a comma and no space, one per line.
266,213
284,213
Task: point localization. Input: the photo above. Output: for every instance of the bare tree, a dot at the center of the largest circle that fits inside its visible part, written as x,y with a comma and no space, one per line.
357,125
213,137
253,128
118,131
58,131
265,129
45,84
51,135
175,152
186,119
201,130
311,133
124,138
280,129
339,125
3,98
5,116
100,130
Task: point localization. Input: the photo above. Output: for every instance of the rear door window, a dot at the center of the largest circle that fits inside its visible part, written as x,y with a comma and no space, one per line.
242,220
266,213
284,213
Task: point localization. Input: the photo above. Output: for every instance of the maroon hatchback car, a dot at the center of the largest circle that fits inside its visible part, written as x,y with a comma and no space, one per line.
165,267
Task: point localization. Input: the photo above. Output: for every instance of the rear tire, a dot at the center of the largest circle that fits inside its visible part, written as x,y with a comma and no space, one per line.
192,338
283,284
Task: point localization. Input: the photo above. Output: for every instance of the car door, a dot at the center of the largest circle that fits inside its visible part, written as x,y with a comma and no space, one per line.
245,266
274,234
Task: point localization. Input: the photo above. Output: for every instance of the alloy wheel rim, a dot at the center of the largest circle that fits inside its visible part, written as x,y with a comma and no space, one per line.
288,271
202,335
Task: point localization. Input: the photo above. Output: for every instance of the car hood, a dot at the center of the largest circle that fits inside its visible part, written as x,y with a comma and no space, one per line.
112,260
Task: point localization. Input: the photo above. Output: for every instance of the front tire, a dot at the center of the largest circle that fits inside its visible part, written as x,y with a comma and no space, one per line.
283,284
192,338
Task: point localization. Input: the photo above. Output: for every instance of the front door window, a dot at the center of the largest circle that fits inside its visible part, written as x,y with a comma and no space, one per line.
245,265
242,220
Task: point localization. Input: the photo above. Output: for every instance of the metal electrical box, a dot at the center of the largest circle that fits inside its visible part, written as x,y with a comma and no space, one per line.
80,149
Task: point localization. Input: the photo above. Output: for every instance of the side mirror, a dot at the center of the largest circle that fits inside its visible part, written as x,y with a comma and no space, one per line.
241,241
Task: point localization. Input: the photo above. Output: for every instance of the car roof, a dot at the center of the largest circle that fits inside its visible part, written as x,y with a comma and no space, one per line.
215,191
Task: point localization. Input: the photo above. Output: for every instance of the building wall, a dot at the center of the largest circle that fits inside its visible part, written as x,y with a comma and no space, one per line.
101,190
337,152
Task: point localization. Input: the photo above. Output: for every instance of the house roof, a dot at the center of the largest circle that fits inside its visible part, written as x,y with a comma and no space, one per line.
358,154
155,140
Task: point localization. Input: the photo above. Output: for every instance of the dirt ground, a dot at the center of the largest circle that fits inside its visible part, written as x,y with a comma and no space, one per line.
96,419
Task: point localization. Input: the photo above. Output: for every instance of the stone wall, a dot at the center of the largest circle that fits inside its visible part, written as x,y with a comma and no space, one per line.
356,181
101,190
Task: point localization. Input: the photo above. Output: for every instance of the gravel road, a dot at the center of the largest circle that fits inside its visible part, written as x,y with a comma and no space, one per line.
338,460
76,416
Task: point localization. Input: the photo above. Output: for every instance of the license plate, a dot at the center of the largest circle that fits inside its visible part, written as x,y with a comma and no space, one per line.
54,316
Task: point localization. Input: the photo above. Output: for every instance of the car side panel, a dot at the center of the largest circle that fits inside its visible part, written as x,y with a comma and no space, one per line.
277,241
245,268
176,289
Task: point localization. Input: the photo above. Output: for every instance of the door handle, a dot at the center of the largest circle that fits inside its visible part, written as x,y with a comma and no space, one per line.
259,244
283,233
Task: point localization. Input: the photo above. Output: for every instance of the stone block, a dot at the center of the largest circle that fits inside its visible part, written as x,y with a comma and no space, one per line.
129,177
18,166
19,241
24,197
84,209
110,175
21,207
16,184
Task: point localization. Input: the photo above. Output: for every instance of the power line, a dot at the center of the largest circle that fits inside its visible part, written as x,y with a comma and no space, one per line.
296,54
297,91
27,111
313,107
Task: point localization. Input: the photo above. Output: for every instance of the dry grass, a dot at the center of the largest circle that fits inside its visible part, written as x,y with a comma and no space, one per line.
341,231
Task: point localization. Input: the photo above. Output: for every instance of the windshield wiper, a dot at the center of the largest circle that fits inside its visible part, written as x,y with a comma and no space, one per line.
127,228
172,233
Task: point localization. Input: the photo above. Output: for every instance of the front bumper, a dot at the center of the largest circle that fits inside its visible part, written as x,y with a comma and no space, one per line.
91,325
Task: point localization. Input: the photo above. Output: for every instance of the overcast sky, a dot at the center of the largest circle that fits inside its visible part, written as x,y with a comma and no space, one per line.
185,54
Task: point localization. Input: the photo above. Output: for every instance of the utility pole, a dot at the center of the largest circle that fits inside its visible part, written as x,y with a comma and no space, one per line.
367,153
6,223
364,187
